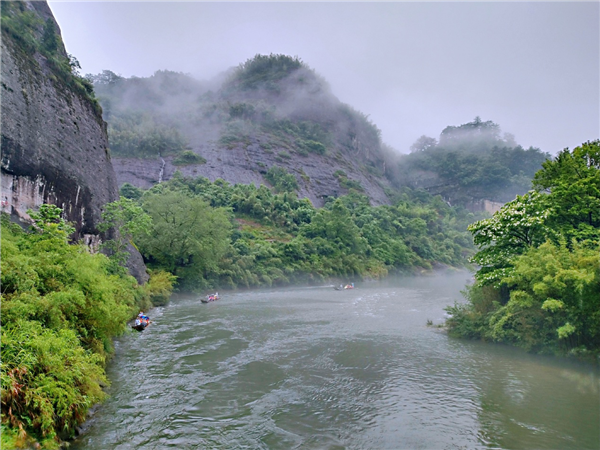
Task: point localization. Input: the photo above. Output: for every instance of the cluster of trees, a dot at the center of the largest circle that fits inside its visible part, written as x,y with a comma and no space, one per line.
215,234
539,282
263,72
61,307
139,135
471,162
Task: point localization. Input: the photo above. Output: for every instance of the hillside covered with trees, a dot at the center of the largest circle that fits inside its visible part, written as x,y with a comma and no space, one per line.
538,286
470,163
214,234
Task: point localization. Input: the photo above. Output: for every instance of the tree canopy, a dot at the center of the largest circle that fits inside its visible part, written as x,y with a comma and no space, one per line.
539,282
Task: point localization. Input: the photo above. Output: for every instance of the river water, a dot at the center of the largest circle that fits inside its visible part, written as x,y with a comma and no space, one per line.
315,368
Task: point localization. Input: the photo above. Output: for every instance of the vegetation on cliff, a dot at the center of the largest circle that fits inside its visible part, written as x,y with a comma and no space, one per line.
34,35
539,282
272,104
471,162
61,307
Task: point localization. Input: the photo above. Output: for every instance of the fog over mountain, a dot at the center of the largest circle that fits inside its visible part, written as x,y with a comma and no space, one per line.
413,68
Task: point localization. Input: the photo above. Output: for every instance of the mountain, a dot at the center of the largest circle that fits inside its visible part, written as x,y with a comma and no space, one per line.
54,140
270,113
472,165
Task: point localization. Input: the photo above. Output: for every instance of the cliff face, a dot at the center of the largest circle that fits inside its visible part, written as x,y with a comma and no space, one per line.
249,163
271,111
54,141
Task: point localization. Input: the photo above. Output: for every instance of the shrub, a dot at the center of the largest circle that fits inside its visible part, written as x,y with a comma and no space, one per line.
188,157
281,180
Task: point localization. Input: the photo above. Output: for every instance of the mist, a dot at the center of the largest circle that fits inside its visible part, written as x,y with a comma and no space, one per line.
412,68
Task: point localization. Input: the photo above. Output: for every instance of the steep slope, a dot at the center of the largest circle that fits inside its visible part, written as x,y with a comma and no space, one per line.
54,141
472,165
270,111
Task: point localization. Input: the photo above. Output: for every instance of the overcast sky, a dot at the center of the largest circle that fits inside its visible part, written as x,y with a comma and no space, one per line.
414,68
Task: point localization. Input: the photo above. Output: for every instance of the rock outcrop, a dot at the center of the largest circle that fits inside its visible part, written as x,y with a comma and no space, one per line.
271,111
54,141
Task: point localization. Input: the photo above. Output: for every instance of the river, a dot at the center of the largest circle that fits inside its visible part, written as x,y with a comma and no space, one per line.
315,368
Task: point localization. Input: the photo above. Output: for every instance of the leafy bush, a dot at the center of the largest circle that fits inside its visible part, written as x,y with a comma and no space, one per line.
281,180
159,287
188,157
60,309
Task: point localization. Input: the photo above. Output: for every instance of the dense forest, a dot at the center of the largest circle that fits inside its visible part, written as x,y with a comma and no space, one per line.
211,234
471,162
538,286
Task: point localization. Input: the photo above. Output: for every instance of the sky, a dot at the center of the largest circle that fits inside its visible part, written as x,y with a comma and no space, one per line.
412,67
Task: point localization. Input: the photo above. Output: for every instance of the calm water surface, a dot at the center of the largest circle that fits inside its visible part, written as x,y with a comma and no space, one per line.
314,368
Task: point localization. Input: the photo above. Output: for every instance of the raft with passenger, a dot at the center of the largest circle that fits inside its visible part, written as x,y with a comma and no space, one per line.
141,322
210,298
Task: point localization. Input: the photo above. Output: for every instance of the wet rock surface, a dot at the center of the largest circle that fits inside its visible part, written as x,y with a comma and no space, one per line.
54,144
247,164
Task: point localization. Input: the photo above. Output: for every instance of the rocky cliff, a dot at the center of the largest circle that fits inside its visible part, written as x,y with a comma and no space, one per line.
270,111
54,141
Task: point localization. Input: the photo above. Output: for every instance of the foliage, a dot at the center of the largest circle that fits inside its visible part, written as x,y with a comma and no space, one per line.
553,304
212,234
519,225
271,104
187,237
346,182
34,35
305,136
572,183
281,180
264,71
539,282
159,287
188,157
137,135
471,162
125,219
130,191
61,306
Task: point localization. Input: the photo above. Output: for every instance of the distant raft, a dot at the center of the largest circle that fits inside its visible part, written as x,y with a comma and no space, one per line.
210,298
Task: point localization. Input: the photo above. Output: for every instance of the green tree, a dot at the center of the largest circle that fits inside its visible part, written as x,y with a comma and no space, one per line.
572,182
538,286
518,226
188,237
127,220
281,180
554,300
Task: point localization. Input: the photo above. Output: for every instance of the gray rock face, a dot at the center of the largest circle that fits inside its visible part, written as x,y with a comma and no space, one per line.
54,145
248,164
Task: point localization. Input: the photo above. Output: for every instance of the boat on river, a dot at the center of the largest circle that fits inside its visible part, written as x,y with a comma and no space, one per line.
141,322
210,298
